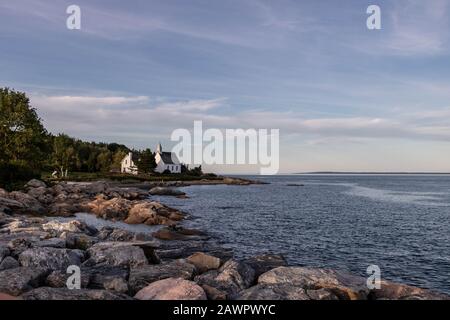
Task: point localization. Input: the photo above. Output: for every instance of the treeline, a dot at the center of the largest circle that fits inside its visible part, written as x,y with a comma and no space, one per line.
27,148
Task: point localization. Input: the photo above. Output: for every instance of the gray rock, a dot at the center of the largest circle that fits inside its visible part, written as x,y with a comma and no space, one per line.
58,279
34,183
142,276
50,258
107,277
273,292
11,204
57,227
47,293
19,280
116,284
266,262
80,241
232,277
116,254
52,243
30,204
345,286
9,263
4,251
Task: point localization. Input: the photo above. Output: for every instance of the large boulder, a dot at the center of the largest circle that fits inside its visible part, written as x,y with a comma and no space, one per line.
50,258
114,209
172,289
97,187
11,205
9,263
396,291
47,293
30,204
266,262
108,277
58,279
19,280
34,183
146,213
232,277
344,285
4,252
116,254
57,227
203,262
78,240
144,275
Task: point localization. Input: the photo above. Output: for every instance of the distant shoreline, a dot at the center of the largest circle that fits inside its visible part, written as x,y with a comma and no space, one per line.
371,173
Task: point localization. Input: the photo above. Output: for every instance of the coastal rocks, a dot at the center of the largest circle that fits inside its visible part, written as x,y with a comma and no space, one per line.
203,262
58,279
57,227
78,240
396,291
11,205
4,252
114,209
172,289
19,280
166,191
116,254
47,293
232,277
9,263
29,204
273,292
50,258
107,277
344,286
34,183
142,276
178,233
146,213
266,262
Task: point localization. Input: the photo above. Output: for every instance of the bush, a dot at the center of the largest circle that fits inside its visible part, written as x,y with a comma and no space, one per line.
14,176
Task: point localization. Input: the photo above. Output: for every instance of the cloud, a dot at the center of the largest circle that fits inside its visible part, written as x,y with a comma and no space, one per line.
136,119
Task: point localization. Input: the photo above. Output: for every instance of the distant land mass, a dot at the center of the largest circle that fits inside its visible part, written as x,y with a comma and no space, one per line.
356,172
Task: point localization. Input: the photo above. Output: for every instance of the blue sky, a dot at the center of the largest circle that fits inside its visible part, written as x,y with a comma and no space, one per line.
344,97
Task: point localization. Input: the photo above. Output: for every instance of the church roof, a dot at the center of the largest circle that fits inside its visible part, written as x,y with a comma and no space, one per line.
169,158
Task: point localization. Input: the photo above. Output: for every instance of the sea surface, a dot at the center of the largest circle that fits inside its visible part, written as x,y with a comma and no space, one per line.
399,222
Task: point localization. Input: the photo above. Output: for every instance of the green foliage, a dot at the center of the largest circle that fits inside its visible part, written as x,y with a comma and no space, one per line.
146,162
23,139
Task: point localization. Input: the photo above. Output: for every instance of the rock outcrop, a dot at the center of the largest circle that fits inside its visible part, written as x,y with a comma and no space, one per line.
172,289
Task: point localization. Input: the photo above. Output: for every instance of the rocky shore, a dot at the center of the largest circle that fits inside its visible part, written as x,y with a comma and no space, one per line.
37,246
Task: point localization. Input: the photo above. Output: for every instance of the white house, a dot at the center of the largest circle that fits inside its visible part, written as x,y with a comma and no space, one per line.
166,161
128,164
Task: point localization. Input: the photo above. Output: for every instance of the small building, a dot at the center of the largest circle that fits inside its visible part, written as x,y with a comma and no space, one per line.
129,163
166,161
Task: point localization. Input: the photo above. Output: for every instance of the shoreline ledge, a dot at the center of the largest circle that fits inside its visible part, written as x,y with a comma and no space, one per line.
39,239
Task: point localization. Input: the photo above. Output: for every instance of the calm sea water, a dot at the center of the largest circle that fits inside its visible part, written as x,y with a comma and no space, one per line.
400,223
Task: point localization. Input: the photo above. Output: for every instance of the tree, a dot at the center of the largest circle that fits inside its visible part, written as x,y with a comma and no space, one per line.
64,156
23,138
146,162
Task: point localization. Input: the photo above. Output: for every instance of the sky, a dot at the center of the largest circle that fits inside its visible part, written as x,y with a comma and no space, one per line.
345,98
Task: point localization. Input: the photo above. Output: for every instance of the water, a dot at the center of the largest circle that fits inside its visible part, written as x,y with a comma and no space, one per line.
348,222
